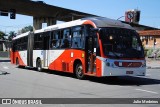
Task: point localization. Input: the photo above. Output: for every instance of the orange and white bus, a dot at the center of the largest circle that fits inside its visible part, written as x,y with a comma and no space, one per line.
93,46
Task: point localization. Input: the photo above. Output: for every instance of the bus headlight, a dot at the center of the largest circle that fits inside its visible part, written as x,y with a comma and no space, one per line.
108,64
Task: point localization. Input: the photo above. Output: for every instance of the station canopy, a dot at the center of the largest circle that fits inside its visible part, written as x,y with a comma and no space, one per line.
41,9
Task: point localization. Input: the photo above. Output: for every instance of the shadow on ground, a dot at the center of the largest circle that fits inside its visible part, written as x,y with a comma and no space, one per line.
3,72
123,81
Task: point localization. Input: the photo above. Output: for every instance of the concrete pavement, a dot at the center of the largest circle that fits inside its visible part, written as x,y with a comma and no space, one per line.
152,63
28,83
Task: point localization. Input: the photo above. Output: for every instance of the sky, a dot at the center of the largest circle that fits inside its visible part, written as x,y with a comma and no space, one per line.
150,15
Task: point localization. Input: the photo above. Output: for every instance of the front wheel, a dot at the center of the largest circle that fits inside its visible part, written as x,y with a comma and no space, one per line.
39,65
79,71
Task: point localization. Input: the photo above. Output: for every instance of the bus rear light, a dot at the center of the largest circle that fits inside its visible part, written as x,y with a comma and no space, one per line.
116,63
120,64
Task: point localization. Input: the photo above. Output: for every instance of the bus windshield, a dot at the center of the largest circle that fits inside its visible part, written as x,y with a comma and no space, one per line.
121,43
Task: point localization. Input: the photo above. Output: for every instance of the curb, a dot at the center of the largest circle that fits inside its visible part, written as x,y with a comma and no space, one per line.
152,67
5,60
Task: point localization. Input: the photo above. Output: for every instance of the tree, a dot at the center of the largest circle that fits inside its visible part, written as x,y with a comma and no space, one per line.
2,34
11,35
26,29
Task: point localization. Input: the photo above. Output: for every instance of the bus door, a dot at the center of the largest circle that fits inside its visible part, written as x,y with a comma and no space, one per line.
54,50
90,55
46,48
30,50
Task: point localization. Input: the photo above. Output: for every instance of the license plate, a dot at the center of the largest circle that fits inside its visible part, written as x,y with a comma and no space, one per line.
129,72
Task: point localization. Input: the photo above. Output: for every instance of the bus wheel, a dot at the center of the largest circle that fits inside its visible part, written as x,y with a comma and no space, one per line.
39,65
79,71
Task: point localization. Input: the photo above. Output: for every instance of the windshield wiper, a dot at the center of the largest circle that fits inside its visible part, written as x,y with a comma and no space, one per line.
116,55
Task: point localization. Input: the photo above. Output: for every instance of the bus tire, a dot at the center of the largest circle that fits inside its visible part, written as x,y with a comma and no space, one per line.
39,65
79,71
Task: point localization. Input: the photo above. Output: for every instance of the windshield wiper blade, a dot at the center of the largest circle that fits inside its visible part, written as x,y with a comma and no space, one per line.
116,55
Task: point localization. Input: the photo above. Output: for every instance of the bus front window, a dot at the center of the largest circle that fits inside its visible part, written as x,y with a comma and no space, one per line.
121,43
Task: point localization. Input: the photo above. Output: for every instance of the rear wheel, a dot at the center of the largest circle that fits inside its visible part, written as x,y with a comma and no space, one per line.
39,65
79,71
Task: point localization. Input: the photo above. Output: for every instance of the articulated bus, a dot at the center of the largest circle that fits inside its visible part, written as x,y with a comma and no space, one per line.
93,46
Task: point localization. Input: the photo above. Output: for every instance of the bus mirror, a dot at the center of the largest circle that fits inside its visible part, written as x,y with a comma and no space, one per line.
97,30
94,31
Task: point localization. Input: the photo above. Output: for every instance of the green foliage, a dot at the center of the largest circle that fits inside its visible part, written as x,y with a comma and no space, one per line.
26,29
149,52
145,50
158,53
11,35
2,34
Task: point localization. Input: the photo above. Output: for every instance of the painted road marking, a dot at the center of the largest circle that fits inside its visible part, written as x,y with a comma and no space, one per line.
147,91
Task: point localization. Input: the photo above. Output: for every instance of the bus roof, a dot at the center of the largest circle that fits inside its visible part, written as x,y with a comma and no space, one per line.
21,35
61,25
107,22
98,21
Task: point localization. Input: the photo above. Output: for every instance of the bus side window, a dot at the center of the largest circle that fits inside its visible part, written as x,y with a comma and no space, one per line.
38,41
58,42
55,40
66,39
46,40
78,37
